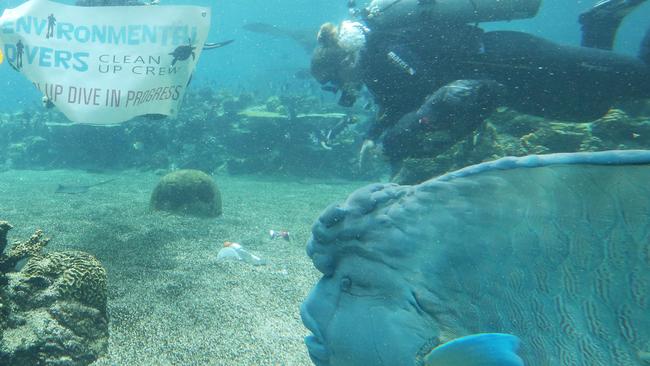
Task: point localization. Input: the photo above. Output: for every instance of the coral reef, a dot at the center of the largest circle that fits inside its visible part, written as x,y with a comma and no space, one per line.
52,305
508,133
270,142
78,276
216,130
187,192
284,134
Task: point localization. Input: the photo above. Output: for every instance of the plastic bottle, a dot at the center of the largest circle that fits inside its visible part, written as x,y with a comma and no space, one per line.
234,251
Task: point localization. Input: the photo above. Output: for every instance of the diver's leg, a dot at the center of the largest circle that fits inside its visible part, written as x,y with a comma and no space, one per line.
600,23
558,81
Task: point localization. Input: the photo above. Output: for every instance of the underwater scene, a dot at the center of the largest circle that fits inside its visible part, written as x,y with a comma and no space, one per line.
325,182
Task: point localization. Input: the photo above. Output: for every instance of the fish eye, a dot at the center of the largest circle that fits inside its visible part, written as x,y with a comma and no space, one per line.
346,284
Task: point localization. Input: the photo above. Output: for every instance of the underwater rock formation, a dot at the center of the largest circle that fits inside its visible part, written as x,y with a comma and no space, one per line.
271,142
4,229
215,130
554,249
187,192
508,133
287,134
52,305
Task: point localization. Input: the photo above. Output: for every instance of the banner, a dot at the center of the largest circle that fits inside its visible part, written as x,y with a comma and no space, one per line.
106,65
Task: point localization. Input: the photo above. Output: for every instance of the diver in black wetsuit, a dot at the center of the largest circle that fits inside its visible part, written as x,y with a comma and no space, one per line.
450,76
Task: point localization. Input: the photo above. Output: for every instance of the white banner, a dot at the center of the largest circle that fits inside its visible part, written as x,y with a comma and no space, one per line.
106,65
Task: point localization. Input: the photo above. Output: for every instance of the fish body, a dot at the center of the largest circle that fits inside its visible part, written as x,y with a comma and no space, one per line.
78,189
209,46
554,249
305,38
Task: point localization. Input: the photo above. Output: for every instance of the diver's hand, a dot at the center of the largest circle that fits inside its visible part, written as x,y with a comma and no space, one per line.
367,144
369,150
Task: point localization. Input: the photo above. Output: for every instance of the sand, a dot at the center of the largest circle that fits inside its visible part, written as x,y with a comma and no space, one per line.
169,301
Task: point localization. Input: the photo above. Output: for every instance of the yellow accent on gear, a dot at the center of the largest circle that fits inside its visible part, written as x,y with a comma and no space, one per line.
2,57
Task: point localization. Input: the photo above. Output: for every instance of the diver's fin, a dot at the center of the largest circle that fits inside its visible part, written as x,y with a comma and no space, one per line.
209,46
600,23
485,349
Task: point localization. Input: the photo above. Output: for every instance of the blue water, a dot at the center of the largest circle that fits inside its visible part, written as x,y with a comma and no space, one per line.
259,63
555,250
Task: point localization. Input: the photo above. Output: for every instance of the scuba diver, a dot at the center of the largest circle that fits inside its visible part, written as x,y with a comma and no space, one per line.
431,68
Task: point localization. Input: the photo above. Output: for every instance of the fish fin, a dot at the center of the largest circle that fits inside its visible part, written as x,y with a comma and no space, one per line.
485,349
644,356
209,46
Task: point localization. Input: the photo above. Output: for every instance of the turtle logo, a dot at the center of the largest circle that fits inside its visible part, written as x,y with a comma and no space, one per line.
182,53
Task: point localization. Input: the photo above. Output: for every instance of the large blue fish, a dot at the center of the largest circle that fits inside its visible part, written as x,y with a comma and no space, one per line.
540,260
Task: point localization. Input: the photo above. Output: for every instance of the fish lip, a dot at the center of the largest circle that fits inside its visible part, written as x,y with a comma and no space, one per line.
316,347
317,351
309,322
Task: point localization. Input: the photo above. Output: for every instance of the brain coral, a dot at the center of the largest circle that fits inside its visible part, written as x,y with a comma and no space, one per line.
75,275
187,192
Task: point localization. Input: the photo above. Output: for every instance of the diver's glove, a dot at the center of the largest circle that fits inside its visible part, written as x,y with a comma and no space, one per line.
453,111
368,153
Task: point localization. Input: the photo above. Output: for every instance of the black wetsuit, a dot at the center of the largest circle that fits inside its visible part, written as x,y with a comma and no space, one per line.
539,76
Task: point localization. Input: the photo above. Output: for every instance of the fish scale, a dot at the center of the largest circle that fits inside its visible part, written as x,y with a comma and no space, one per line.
587,289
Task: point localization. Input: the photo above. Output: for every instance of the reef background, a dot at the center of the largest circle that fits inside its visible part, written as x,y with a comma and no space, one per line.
286,136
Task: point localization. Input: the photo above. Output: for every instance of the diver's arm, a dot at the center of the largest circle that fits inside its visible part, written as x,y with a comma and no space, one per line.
378,127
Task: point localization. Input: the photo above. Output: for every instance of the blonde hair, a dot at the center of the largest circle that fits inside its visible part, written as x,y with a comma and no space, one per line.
331,62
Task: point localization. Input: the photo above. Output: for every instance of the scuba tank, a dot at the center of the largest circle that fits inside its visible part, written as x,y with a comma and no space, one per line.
396,13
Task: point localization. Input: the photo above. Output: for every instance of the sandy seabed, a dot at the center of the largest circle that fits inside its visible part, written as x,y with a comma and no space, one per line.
169,301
